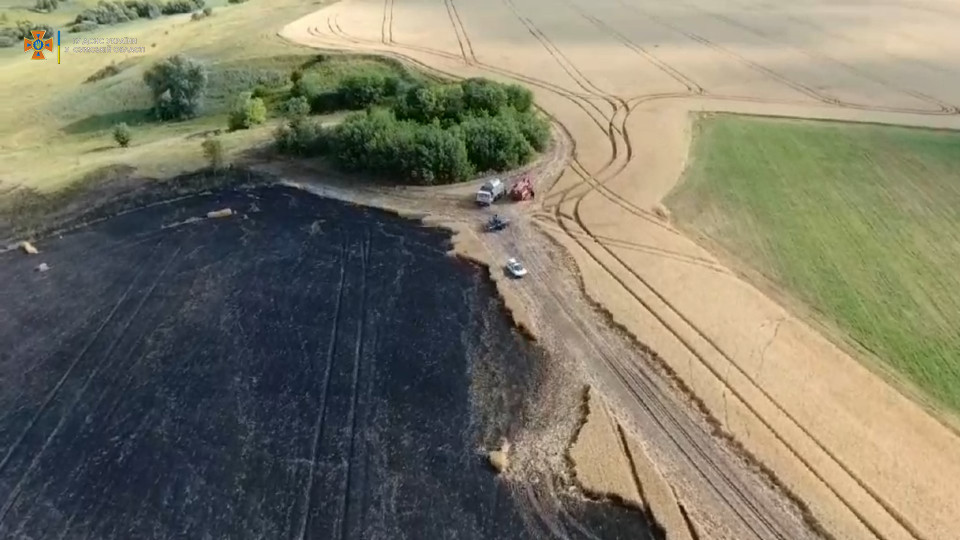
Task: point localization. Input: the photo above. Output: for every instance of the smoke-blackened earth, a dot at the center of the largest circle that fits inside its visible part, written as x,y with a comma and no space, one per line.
298,370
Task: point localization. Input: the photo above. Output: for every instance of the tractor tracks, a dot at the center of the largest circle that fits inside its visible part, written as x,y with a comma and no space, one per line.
659,408
386,24
463,39
669,308
107,360
358,354
807,90
942,107
324,393
691,85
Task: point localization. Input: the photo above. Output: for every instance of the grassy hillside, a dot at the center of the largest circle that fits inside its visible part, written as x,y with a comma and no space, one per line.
860,222
58,129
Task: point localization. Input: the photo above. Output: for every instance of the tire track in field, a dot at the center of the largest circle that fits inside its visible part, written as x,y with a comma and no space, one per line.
702,262
770,8
942,107
609,130
617,105
472,59
386,23
678,428
324,390
671,308
120,390
691,85
358,352
797,86
779,77
712,473
73,364
462,39
107,361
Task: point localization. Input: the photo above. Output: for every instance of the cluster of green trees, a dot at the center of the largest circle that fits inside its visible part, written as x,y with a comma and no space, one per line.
46,5
14,35
178,84
109,13
421,132
424,133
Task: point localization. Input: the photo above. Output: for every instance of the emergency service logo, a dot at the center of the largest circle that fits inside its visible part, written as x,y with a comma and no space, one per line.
38,44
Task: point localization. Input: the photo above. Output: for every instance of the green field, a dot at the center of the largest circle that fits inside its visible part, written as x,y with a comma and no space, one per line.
859,222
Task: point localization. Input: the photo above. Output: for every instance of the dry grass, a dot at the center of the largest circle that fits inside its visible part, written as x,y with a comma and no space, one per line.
600,461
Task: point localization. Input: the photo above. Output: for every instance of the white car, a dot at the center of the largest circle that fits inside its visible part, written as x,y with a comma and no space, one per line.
515,268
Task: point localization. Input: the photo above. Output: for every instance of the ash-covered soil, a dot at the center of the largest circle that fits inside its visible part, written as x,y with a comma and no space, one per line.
299,370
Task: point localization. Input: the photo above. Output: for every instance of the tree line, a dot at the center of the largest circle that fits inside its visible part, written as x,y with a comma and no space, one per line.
422,133
405,129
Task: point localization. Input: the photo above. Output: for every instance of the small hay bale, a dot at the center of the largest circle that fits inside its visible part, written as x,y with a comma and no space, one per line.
500,459
662,212
28,248
43,267
226,212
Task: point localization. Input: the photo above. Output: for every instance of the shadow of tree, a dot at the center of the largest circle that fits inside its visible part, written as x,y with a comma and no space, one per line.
106,121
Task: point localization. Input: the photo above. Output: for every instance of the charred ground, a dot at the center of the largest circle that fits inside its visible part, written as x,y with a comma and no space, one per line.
301,369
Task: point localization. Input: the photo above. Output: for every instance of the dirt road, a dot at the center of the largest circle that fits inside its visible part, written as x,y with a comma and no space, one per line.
621,77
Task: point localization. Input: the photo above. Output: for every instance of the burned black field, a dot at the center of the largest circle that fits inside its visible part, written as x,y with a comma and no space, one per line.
299,370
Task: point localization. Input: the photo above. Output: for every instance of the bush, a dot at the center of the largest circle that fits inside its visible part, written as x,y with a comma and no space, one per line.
174,7
46,5
85,26
301,137
296,107
207,11
376,142
146,9
105,72
421,104
122,134
213,151
534,127
247,111
481,96
107,13
518,97
25,30
426,104
495,143
178,84
435,156
362,91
